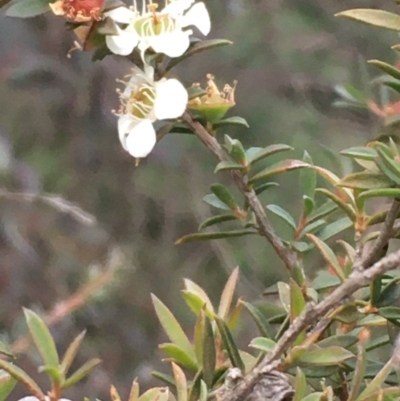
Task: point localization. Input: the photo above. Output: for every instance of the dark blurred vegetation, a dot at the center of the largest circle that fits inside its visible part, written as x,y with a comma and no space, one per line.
58,135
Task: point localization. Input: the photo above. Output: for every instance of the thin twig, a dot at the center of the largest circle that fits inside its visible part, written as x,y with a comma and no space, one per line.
356,281
384,236
265,229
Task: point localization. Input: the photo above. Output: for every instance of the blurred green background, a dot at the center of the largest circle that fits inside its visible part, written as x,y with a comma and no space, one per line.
58,135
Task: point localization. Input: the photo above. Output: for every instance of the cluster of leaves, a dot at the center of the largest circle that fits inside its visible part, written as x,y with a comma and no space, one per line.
56,368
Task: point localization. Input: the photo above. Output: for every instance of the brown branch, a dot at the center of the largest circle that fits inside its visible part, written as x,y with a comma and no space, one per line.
383,238
265,229
356,281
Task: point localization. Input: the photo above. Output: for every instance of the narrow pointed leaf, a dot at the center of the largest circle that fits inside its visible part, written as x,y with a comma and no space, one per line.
21,376
284,295
153,394
326,356
212,200
71,352
259,319
262,187
379,18
82,372
385,67
196,303
263,344
227,294
268,151
134,393
377,382
365,180
193,287
223,194
313,397
198,48
308,178
229,344
215,235
322,211
358,374
348,209
385,192
42,338
300,385
114,394
360,152
181,383
229,166
278,168
177,354
328,255
231,121
203,391
221,218
335,228
7,384
209,356
172,327
283,214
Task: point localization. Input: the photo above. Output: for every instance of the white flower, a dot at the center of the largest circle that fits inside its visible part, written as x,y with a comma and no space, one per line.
162,31
33,398
144,101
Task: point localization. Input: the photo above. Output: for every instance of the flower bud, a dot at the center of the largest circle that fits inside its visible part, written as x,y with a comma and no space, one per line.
78,10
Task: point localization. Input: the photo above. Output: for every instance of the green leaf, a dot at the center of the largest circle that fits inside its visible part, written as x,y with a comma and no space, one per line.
28,8
335,228
365,180
227,295
377,382
390,294
259,319
231,121
7,384
221,218
314,227
256,154
203,391
167,379
82,372
236,150
21,376
308,205
340,340
261,188
172,327
358,374
223,194
385,192
360,152
217,235
297,305
390,312
195,288
179,355
181,383
323,211
198,48
229,166
284,295
209,356
385,67
283,214
300,385
154,394
263,344
42,338
229,344
328,255
379,18
390,164
278,168
325,356
308,178
348,209
212,200
325,280
195,302
5,349
71,352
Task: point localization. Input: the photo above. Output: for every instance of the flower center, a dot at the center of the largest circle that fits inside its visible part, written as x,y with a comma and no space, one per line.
154,23
138,103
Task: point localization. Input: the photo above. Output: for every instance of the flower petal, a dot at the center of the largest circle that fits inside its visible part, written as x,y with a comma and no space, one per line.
141,139
171,99
199,17
126,123
124,43
173,44
121,14
177,7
